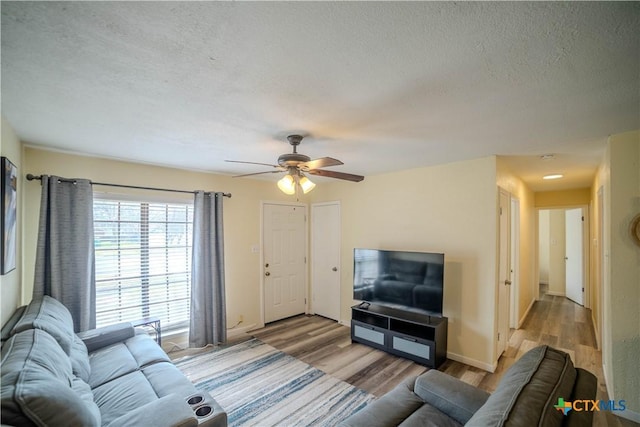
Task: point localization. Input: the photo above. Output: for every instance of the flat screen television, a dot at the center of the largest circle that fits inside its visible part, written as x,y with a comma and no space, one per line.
411,281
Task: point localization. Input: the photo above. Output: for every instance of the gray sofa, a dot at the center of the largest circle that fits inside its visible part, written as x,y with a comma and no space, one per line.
525,396
109,376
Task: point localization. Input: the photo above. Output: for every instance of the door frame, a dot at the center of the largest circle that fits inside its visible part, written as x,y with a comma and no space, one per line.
311,245
263,203
514,315
498,314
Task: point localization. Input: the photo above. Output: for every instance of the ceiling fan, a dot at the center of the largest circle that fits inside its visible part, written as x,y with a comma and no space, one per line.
296,165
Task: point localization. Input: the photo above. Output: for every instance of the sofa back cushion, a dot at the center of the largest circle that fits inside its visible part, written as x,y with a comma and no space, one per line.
38,386
50,316
529,390
80,359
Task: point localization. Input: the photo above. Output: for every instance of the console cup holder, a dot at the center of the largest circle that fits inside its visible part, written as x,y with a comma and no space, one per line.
203,411
195,399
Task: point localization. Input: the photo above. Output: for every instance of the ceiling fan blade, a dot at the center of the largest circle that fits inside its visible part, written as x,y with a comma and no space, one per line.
256,173
339,175
252,163
322,162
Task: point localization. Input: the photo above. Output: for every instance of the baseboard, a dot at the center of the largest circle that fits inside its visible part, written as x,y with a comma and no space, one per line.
596,331
626,414
239,331
556,294
472,362
526,313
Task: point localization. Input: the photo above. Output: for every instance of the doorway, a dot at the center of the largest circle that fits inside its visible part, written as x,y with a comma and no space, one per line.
562,256
284,269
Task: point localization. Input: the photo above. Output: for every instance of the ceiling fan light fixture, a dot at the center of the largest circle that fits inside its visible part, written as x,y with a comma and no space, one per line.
287,185
306,184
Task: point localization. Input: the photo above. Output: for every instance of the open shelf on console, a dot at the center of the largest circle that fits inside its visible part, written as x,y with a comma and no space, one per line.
371,319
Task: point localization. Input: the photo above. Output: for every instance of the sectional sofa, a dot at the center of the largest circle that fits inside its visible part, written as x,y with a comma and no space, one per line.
527,395
113,376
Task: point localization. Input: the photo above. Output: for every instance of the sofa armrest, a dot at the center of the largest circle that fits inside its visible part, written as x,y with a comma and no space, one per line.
170,410
585,388
389,410
455,398
102,337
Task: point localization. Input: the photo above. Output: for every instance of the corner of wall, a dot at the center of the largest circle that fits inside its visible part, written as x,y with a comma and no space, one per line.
11,288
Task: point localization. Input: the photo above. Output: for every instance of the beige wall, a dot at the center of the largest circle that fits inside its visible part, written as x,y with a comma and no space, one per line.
551,199
448,208
10,288
241,214
527,253
620,178
596,253
543,246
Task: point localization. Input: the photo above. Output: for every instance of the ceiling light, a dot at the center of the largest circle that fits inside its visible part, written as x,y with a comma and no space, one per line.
547,157
553,176
287,185
306,184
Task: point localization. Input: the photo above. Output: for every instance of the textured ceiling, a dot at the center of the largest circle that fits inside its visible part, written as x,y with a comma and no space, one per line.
383,86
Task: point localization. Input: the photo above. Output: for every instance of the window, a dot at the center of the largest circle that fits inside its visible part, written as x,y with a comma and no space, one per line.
143,261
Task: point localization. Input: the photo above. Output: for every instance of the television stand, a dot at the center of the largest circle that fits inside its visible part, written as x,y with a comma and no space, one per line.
415,336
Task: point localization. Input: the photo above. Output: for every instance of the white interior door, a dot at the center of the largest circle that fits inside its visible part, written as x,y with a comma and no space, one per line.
284,261
573,255
504,274
325,259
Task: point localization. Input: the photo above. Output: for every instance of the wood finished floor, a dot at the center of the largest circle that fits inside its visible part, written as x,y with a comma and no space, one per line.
326,345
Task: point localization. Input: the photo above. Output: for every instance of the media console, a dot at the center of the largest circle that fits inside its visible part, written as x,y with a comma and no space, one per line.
419,337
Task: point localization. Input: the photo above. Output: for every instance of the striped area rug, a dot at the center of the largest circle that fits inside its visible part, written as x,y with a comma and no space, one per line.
259,385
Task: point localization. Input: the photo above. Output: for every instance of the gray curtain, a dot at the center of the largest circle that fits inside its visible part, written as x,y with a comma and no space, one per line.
65,263
208,323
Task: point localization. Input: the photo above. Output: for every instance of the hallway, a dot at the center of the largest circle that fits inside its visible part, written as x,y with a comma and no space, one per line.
559,322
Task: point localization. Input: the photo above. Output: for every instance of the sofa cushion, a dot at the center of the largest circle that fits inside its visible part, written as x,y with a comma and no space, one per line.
429,416
122,395
38,386
51,316
80,359
166,378
389,410
528,390
145,350
450,395
109,363
116,360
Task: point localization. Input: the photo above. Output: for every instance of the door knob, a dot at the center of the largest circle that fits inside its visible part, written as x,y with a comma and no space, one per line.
335,269
507,282
267,274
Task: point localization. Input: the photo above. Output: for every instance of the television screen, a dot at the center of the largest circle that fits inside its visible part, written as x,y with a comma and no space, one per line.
407,280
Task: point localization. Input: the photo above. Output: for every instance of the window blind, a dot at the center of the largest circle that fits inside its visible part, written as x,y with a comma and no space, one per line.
143,261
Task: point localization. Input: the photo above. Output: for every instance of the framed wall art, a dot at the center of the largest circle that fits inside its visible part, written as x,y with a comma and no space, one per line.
9,188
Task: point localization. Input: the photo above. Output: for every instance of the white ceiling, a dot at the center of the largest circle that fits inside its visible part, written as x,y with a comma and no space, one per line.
383,86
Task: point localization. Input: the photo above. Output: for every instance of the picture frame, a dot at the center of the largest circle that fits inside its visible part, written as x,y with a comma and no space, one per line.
8,211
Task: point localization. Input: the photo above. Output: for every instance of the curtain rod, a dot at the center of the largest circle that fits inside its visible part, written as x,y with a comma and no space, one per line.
31,177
